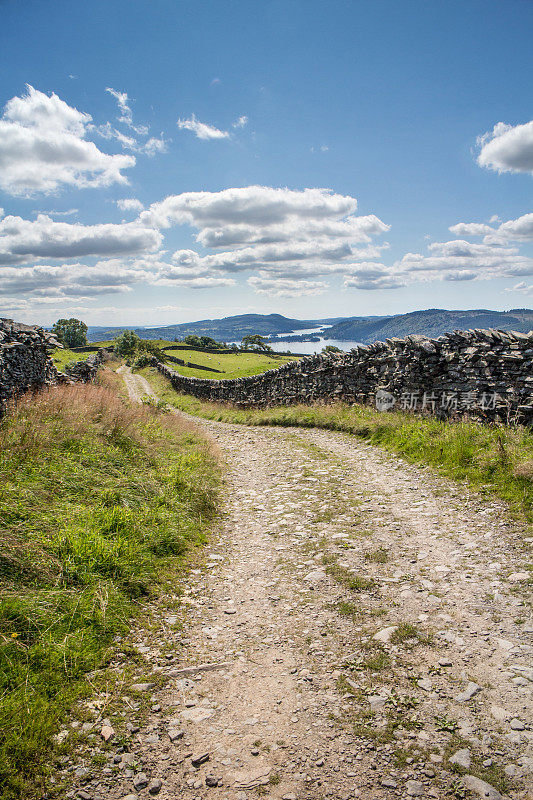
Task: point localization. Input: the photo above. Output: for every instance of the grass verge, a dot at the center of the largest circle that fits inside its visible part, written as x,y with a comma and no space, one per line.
101,503
492,458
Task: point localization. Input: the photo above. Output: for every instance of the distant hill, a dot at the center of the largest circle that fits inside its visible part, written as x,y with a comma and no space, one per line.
226,329
433,322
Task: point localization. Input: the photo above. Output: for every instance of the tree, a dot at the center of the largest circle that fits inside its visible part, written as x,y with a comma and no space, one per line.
200,341
192,341
254,341
70,332
330,348
207,341
126,344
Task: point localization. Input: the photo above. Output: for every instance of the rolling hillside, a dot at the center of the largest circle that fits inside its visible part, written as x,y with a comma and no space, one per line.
432,322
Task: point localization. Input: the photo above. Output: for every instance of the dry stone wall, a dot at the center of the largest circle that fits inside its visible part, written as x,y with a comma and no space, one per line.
85,371
487,373
24,360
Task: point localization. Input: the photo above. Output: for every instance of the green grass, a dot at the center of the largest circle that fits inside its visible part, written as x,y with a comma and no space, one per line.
492,458
231,365
379,556
343,576
408,635
101,503
65,356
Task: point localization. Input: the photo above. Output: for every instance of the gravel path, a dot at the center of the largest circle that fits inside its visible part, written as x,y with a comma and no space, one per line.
369,633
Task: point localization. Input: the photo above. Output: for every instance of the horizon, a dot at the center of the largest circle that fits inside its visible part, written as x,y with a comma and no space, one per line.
306,319
355,160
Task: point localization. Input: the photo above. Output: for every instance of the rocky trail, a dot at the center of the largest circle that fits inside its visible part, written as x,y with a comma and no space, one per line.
358,629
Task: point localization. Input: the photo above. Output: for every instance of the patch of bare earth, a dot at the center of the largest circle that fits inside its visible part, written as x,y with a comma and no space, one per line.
367,629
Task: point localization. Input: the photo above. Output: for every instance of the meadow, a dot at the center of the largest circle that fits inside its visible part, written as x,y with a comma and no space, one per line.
230,365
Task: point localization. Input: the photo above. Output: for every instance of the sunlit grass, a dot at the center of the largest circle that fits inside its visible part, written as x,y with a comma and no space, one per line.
100,501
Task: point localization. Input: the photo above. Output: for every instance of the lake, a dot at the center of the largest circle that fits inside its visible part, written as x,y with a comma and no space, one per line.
311,347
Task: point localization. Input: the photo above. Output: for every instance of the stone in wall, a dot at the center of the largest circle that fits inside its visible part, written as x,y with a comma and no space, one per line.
85,371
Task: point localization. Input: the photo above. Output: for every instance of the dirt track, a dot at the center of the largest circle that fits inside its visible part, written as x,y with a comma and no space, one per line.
370,621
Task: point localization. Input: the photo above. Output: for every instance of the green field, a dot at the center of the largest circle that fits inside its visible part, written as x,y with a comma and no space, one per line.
65,356
231,365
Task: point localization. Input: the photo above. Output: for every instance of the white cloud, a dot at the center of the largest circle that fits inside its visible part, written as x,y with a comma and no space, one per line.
240,122
204,282
518,229
125,112
293,227
43,147
71,280
154,145
130,204
283,287
470,229
291,234
22,241
507,148
369,275
249,205
149,148
322,253
70,213
523,288
450,260
201,129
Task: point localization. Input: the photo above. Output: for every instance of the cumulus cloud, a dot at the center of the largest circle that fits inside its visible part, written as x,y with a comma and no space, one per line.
470,229
249,205
292,234
240,122
43,148
201,129
283,287
71,280
130,204
520,229
203,282
507,148
22,241
369,275
451,260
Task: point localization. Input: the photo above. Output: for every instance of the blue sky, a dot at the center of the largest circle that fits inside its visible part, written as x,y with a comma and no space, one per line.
298,157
